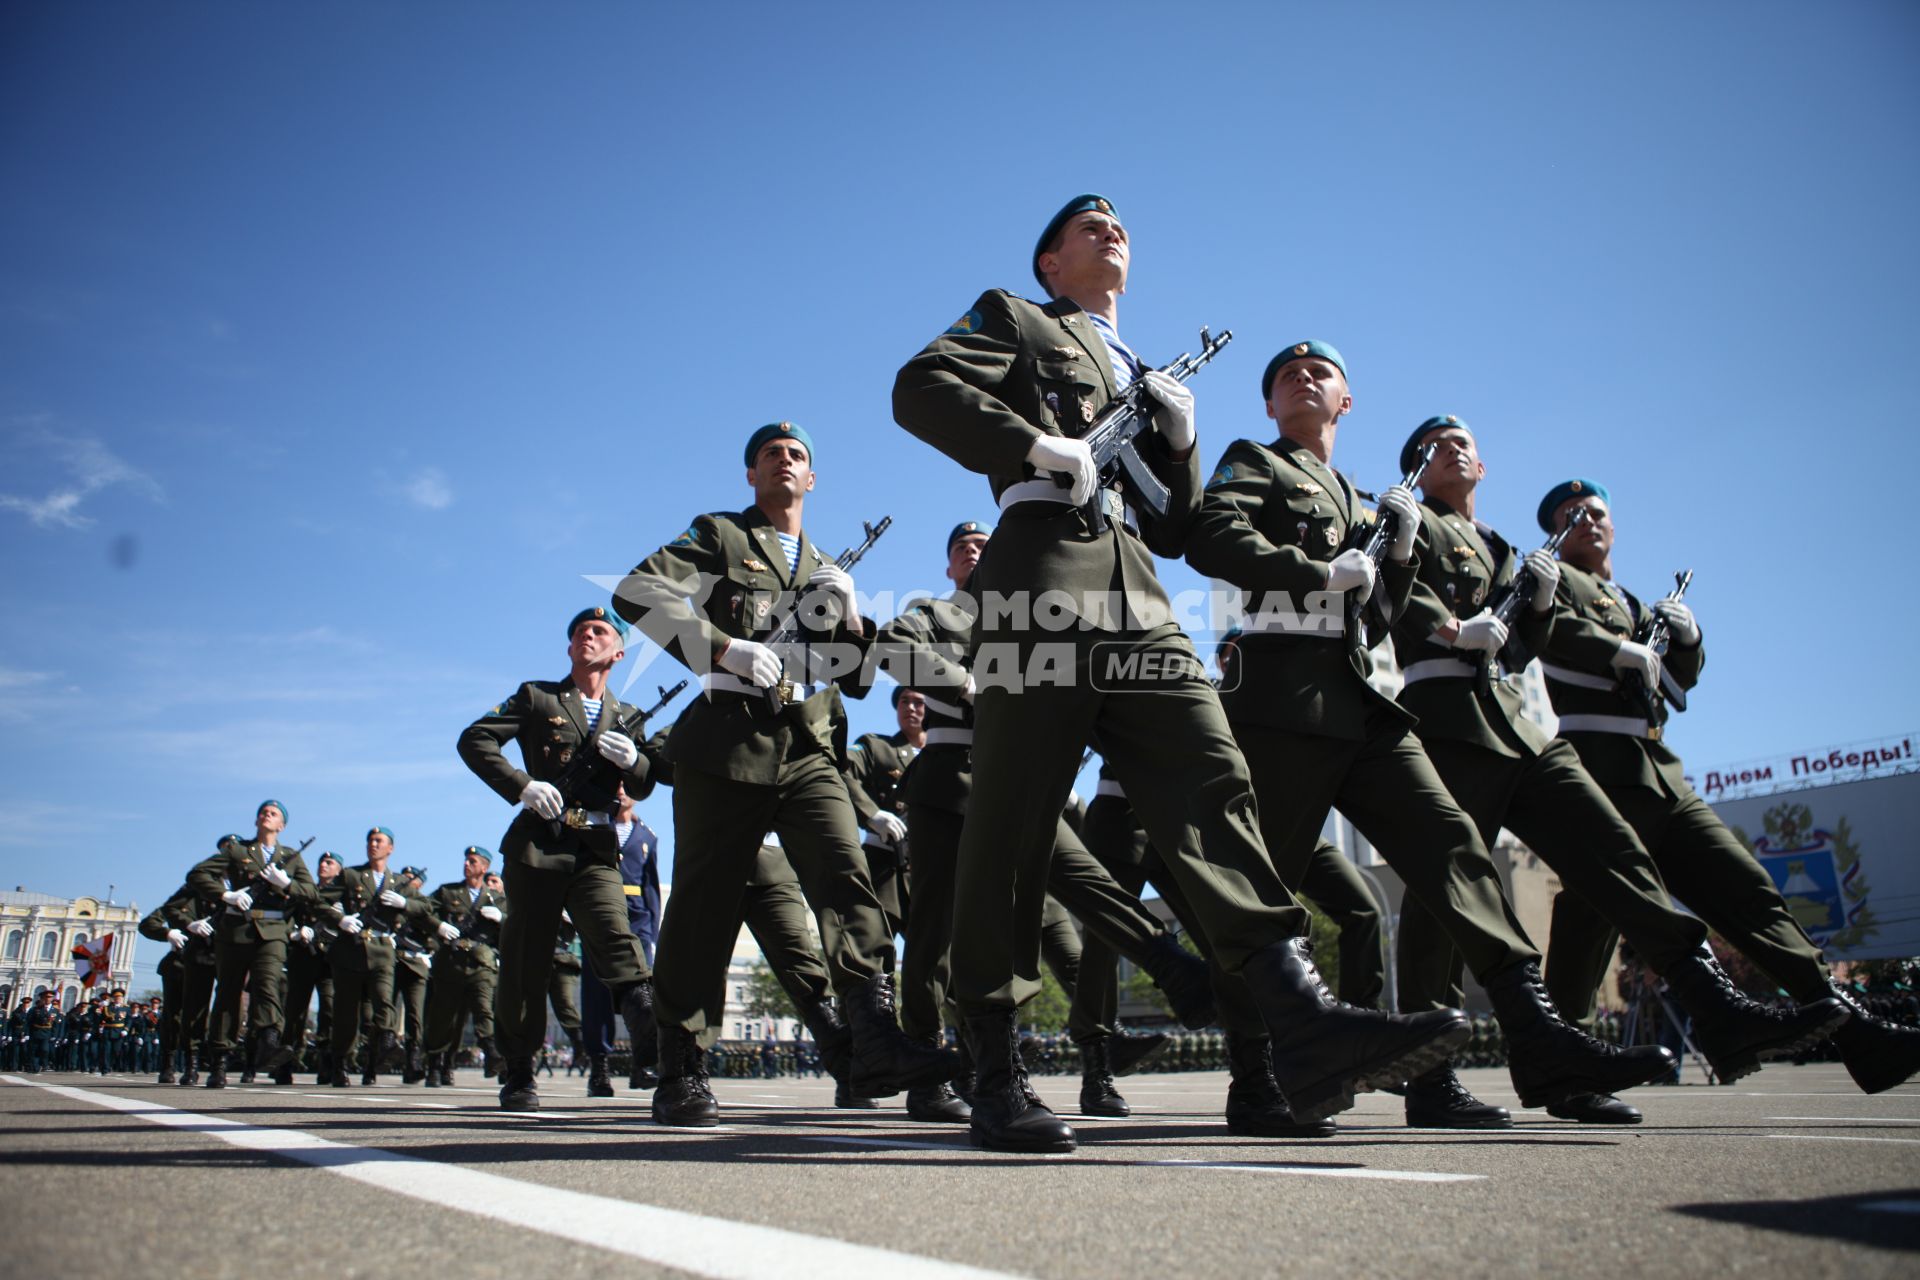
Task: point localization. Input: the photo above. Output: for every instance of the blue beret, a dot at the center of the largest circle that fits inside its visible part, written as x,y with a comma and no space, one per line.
776,431
598,613
414,873
1410,451
381,831
276,804
1568,489
1300,351
328,856
475,851
966,529
229,838
1079,204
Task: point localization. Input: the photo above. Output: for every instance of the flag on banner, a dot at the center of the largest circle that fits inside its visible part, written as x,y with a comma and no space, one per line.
91,960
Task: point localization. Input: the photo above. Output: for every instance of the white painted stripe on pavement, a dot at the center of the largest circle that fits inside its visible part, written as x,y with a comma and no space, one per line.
690,1242
1841,1137
1317,1171
1846,1119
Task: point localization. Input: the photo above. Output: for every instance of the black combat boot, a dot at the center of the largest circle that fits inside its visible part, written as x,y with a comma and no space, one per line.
683,1098
217,1071
1550,1060
1736,1032
517,1092
190,1069
490,1063
283,1074
268,1053
1184,978
416,1069
1098,1097
1877,1053
830,1035
166,1066
1437,1100
1255,1106
376,1052
885,1059
1130,1053
936,1103
847,1100
598,1086
1596,1108
1325,1052
1007,1114
636,1006
323,1075
963,1079
434,1061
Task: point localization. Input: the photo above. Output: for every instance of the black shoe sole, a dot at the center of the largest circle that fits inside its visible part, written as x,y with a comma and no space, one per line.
949,1113
1560,1090
1445,1120
704,1120
1329,1097
1750,1057
1106,1111
1247,1127
1017,1146
1600,1117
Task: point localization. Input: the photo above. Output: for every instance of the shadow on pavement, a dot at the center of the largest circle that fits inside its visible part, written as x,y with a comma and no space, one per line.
1851,1218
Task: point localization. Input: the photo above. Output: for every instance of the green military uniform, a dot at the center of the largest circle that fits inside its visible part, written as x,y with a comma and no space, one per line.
563,988
364,963
186,978
42,1027
575,871
465,971
113,1032
1009,372
412,969
875,765
1698,858
310,972
1503,769
250,946
775,911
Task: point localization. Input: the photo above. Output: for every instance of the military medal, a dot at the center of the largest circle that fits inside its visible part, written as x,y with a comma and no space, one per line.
1086,411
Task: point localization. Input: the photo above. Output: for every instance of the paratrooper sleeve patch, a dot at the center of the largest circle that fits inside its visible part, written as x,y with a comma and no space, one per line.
684,540
968,323
1221,476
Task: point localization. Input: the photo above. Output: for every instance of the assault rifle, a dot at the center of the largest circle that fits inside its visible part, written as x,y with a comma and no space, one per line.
781,693
590,766
1521,590
1373,541
1654,633
257,885
1112,434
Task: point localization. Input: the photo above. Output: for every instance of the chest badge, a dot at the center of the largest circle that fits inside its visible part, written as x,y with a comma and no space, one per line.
556,720
1333,539
755,565
1067,353
1086,411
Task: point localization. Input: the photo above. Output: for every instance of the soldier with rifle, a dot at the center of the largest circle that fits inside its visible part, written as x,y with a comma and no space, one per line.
772,627
368,906
1321,580
876,763
577,748
1614,666
412,969
310,972
257,884
1476,611
466,917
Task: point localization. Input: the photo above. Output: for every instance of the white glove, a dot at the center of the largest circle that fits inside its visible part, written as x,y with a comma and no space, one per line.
1399,500
201,928
1351,570
1546,577
276,877
389,898
306,933
490,913
1175,415
449,932
837,583
758,665
1679,620
1070,458
177,938
238,899
967,693
1639,659
618,748
1482,633
543,798
887,827
350,925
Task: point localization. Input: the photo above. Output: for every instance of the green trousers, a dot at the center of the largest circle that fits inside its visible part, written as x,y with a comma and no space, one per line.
308,971
1551,803
775,912
258,968
1705,866
464,983
592,894
411,975
362,992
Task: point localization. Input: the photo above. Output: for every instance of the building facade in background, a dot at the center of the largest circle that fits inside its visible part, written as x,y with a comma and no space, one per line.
38,932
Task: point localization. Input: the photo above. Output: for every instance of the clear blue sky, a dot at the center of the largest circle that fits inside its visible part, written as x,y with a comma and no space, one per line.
340,345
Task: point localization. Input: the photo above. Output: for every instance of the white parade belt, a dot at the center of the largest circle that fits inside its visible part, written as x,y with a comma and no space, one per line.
949,737
1438,669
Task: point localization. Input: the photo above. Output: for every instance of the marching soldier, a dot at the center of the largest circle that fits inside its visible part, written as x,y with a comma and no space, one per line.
742,769
1595,643
559,850
42,1028
1504,771
639,849
467,917
412,967
1315,733
563,988
875,765
187,975
1004,392
113,1032
258,883
369,904
310,971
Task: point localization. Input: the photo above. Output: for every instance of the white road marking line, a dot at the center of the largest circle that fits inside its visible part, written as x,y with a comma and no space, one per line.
1847,1119
1841,1137
689,1242
1892,1206
1231,1166
436,1106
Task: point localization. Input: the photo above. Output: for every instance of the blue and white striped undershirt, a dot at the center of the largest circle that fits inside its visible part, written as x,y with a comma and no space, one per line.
790,544
592,707
1126,365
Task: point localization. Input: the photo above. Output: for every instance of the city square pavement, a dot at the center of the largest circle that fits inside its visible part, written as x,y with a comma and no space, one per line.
1792,1172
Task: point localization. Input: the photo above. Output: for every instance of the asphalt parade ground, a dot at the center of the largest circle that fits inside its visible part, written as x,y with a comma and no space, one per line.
1792,1172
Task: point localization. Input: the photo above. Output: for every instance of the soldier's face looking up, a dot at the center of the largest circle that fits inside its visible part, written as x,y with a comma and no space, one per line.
1091,255
964,556
911,711
494,882
1308,392
476,866
781,470
1456,467
596,643
269,821
329,868
1588,546
378,847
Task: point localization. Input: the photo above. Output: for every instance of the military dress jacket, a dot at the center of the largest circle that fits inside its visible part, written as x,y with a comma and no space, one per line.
1272,518
237,865
726,578
455,904
1605,725
356,892
928,648
1465,567
874,767
1009,372
549,721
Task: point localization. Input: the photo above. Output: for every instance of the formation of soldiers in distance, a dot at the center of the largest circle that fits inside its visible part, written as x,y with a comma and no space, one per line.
1058,639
